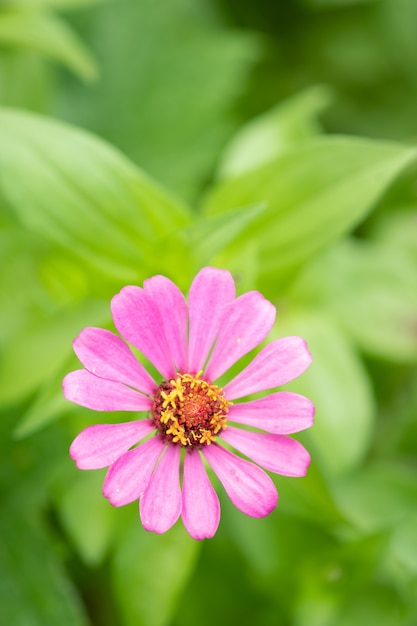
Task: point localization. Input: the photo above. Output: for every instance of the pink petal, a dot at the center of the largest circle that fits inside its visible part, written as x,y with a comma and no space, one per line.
200,504
137,318
249,488
99,394
212,290
276,364
106,355
246,323
160,505
130,474
174,313
277,453
282,413
100,445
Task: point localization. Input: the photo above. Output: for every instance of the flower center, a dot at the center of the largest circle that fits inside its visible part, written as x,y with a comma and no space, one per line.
189,411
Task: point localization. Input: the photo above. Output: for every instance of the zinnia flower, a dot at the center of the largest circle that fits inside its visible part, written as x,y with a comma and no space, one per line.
189,417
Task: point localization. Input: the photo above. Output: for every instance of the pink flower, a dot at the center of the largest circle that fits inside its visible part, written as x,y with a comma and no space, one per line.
189,417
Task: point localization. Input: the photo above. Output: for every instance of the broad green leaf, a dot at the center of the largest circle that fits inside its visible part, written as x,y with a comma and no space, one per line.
87,517
338,384
151,571
174,113
267,136
315,193
82,195
48,35
40,351
372,291
209,236
34,590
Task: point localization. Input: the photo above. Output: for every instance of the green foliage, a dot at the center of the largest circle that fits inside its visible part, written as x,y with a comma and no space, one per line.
314,194
149,594
49,36
295,198
338,384
34,589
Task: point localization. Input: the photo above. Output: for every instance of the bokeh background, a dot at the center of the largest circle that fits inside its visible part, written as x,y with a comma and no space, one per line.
275,138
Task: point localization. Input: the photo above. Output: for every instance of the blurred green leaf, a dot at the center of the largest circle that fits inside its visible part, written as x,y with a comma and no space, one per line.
34,590
398,230
375,604
175,111
48,405
64,4
332,4
270,134
151,571
315,193
309,498
208,236
338,384
372,291
82,195
40,351
87,517
378,497
48,35
404,543
20,256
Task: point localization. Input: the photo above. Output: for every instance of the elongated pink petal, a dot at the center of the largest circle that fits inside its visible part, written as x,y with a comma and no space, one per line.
100,445
160,505
277,453
107,356
212,290
249,488
246,323
174,313
200,504
276,364
99,394
282,413
130,474
137,318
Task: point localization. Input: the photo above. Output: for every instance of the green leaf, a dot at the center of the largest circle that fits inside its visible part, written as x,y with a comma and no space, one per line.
315,193
404,544
34,590
82,195
208,236
338,384
87,516
377,498
174,114
270,134
48,406
398,230
48,35
39,352
64,4
151,571
372,291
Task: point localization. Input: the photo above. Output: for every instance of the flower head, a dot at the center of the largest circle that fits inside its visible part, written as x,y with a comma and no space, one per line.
189,417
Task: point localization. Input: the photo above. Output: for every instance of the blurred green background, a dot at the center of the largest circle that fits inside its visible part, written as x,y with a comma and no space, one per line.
277,139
